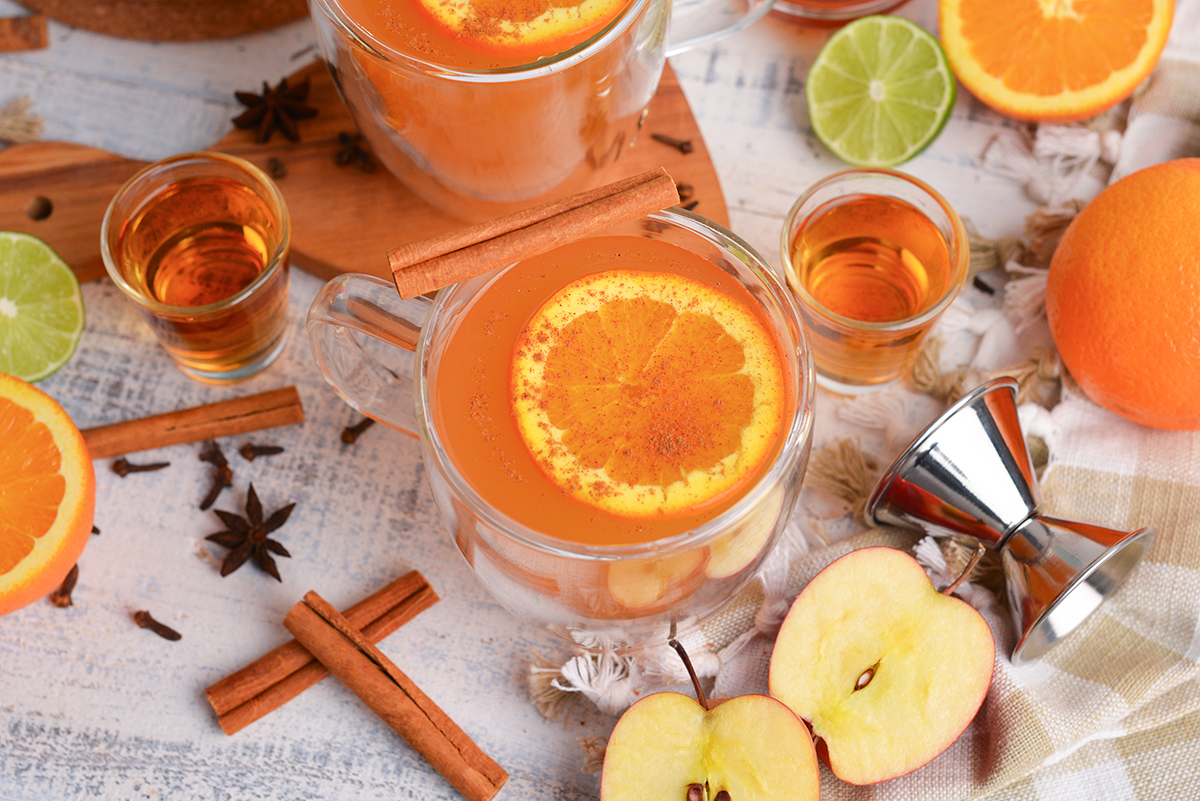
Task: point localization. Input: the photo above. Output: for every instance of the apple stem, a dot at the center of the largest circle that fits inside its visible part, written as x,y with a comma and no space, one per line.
971,563
687,663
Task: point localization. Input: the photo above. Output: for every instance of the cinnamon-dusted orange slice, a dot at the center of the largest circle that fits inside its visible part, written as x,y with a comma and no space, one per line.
538,28
647,394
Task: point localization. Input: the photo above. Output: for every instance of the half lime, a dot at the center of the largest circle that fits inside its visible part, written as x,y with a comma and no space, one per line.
879,91
41,308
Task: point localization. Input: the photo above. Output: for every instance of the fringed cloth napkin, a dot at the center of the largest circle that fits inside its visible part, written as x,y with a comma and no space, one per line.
1113,711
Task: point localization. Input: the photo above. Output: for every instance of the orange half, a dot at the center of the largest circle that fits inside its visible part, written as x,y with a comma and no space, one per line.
1053,60
647,394
47,494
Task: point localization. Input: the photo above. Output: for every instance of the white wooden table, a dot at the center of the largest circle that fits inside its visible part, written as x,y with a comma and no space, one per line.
93,707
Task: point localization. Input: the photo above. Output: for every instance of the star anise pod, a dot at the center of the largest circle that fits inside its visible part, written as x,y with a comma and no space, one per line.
246,537
354,152
276,108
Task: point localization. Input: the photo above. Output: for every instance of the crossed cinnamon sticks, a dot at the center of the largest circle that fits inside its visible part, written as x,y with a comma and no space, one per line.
328,641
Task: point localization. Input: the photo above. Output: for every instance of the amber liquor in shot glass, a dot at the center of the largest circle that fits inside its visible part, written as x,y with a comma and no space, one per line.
200,242
873,257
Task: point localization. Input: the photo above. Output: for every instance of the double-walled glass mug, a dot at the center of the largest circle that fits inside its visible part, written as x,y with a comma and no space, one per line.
479,141
440,369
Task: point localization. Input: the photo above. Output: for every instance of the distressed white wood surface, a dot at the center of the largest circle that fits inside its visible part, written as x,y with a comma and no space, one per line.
93,707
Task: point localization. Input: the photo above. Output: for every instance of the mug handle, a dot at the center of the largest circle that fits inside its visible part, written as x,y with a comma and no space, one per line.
364,338
697,22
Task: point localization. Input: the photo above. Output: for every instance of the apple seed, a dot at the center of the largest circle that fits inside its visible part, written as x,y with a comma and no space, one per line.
722,796
865,678
695,792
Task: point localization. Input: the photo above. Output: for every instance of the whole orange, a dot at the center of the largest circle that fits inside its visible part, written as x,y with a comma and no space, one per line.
1123,296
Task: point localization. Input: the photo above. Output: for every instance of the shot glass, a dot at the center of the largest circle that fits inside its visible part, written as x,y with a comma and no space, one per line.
873,257
833,12
199,242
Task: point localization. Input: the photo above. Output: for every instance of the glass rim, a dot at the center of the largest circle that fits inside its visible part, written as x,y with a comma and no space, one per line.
363,38
799,428
275,263
960,266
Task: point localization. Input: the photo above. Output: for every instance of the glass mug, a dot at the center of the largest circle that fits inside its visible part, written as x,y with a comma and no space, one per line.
482,142
380,353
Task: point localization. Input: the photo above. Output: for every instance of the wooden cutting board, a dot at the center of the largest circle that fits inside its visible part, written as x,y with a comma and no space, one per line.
343,219
176,20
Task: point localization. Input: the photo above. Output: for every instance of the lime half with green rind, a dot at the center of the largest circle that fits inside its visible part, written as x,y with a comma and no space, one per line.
879,91
41,308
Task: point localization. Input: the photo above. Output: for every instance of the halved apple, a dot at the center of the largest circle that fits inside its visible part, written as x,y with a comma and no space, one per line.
887,670
669,747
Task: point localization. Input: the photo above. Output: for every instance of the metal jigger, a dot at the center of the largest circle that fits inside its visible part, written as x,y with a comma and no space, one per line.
969,476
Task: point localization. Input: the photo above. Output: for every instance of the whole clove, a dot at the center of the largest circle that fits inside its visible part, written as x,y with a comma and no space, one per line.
95,529
123,467
222,474
982,286
684,146
689,206
146,621
686,191
276,168
351,433
250,451
62,596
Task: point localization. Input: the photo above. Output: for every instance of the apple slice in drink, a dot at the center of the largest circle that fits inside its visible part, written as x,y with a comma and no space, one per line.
655,581
887,670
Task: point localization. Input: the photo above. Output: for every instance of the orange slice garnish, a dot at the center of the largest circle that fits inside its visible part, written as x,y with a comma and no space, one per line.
550,26
647,394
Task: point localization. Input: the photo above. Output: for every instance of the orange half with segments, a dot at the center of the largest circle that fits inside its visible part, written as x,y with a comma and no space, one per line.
1056,60
47,494
647,394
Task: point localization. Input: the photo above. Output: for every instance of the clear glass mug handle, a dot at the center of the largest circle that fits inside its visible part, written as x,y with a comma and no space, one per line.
697,22
364,338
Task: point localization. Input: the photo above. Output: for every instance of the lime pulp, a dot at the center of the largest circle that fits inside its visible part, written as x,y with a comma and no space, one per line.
879,91
41,308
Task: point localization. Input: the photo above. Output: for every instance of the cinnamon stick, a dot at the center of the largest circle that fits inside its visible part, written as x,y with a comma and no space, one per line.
394,697
447,259
23,33
279,676
221,419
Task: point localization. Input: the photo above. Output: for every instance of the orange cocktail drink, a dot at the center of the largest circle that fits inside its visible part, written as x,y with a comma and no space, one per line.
484,107
615,430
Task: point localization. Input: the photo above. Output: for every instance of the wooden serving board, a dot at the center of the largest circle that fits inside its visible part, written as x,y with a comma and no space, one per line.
175,20
343,219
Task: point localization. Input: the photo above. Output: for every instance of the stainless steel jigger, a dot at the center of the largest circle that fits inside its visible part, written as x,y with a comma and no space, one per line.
969,476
